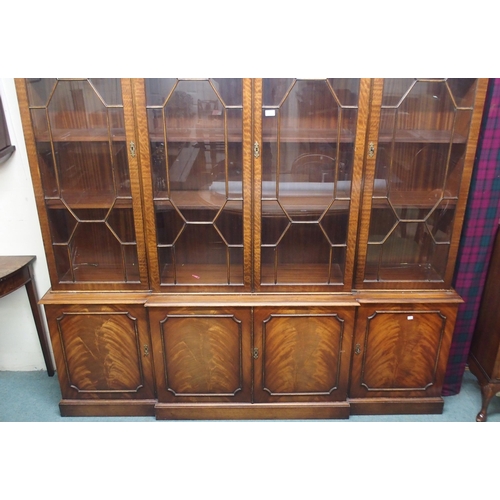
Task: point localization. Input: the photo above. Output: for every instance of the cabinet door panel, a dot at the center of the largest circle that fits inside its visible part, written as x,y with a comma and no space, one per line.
101,352
202,355
303,354
401,351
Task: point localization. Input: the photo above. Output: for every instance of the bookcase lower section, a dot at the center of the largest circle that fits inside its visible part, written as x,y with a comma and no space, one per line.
252,357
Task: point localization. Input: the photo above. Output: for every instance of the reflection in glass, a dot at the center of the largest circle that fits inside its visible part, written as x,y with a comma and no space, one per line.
420,158
308,128
79,128
196,131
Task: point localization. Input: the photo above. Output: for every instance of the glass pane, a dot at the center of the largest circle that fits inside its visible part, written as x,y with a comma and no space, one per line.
108,89
307,159
62,224
420,157
47,169
158,90
195,132
169,223
197,264
40,124
79,129
346,90
230,90
39,90
295,252
121,223
95,253
85,169
439,222
274,90
274,222
229,222
335,223
463,91
63,264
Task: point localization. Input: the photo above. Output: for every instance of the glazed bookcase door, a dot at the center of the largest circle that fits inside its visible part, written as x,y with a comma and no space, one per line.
80,138
420,156
195,147
307,181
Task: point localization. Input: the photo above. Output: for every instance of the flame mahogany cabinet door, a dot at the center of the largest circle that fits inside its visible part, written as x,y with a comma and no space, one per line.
302,355
103,358
399,357
202,359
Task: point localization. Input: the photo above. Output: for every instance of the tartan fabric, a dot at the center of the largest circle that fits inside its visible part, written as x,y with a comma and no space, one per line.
480,224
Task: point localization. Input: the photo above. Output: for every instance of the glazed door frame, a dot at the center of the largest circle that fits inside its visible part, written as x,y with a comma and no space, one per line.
354,198
149,190
369,188
135,197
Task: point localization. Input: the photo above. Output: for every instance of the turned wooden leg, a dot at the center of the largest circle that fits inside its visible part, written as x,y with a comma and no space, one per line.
487,392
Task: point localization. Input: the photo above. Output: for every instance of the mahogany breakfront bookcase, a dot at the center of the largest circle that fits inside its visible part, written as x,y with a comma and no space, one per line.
251,248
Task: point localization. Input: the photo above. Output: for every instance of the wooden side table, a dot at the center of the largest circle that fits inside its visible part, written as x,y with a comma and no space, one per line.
14,273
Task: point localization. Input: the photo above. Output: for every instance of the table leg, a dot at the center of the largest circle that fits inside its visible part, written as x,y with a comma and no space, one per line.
30,288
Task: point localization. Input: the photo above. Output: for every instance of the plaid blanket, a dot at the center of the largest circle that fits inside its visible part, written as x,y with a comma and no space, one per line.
480,224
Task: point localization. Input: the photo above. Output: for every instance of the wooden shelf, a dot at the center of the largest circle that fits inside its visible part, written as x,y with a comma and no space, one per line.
99,274
410,273
190,130
234,134
211,274
82,135
202,274
290,274
191,200
306,206
310,135
206,134
425,136
84,201
311,200
413,199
